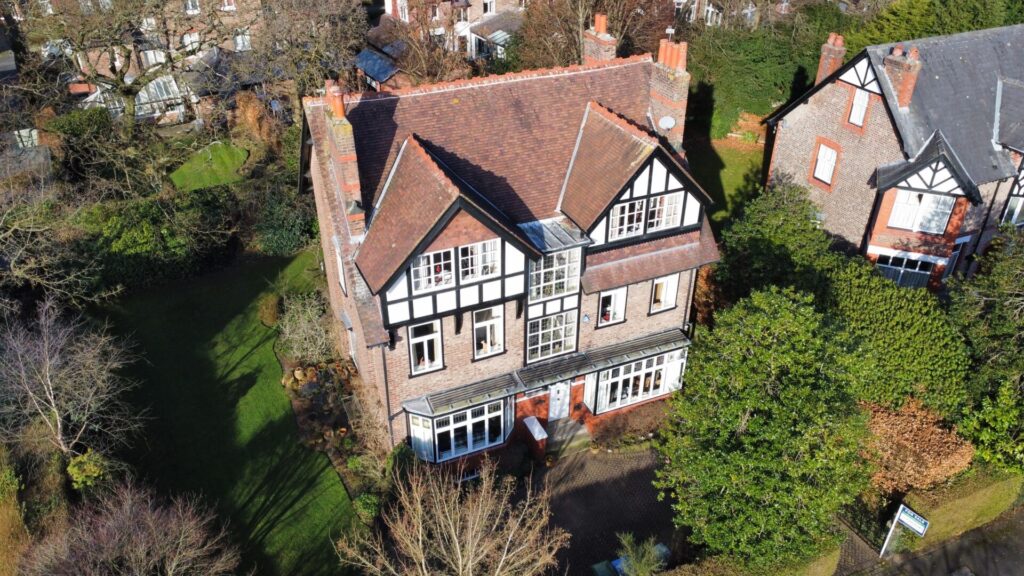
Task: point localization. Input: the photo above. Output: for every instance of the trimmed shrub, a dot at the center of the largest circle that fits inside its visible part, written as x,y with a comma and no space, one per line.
87,470
367,506
270,309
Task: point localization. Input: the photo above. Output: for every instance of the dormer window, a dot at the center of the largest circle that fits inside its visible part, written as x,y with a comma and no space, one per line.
921,211
626,220
432,271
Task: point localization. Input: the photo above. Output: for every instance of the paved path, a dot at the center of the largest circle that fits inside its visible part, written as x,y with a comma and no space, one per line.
995,549
593,496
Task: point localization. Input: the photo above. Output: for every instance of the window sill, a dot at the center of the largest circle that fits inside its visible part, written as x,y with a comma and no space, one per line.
489,355
469,452
609,324
427,371
560,354
661,310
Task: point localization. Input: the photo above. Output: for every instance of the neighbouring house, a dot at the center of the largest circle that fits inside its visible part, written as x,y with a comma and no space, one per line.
462,14
911,151
512,252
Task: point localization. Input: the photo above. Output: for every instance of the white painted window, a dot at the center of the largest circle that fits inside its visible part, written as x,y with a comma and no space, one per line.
461,15
663,293
151,58
551,336
228,5
433,270
434,12
25,138
859,109
190,41
921,211
46,7
339,262
905,271
475,429
555,275
1015,211
420,431
612,307
425,350
635,382
626,220
480,261
825,164
191,7
243,42
488,332
664,212
148,24
403,10
488,6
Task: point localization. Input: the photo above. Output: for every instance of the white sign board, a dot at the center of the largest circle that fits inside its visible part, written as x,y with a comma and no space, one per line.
912,520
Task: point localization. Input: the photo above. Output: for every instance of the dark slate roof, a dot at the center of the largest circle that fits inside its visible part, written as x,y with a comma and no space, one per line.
956,95
937,147
544,373
1010,114
376,65
554,234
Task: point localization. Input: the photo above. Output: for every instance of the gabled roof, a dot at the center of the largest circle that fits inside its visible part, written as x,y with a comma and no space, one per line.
419,193
1010,114
609,151
936,149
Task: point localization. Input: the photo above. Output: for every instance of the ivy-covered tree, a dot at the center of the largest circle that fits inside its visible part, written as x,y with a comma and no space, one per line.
989,308
762,445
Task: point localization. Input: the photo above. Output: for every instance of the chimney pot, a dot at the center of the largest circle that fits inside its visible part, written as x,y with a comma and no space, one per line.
833,52
600,23
915,54
598,45
662,50
897,50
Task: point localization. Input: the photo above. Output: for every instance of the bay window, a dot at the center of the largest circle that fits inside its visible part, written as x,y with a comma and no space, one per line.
551,336
626,220
664,212
470,430
640,380
921,211
555,275
663,293
433,270
480,261
425,347
488,332
612,307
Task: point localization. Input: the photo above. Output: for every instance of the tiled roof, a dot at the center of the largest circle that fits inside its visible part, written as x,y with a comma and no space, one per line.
509,136
649,260
889,175
609,150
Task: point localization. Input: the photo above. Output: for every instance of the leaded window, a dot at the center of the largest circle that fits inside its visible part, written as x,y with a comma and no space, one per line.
551,336
432,271
626,220
664,212
480,261
555,275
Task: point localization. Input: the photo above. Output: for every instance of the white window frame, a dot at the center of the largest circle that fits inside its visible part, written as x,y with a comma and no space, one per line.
340,263
466,420
153,58
913,210
551,336
243,41
905,271
1014,211
228,5
432,271
669,292
403,10
480,261
825,162
626,219
859,107
554,275
191,41
611,307
422,437
430,364
191,7
634,382
148,24
493,341
25,138
665,211
435,12
488,6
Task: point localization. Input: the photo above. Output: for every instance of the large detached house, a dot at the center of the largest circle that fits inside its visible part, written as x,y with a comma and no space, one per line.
912,151
511,251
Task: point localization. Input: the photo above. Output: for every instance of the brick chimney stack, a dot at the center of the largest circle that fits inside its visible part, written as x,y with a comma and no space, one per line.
343,155
670,88
833,52
903,68
598,44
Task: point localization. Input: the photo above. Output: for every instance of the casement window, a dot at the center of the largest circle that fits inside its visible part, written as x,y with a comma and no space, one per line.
461,15
403,10
637,381
425,347
488,6
488,332
336,240
551,336
555,275
480,261
434,12
954,259
859,108
663,293
1015,211
148,24
664,212
433,270
825,164
626,220
243,42
228,5
192,7
468,431
190,41
612,307
151,58
921,211
25,138
905,271
422,436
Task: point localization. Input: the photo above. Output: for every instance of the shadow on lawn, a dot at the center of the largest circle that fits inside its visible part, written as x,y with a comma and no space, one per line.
221,427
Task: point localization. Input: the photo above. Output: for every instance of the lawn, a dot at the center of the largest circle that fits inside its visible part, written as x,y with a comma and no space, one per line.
730,172
220,423
214,165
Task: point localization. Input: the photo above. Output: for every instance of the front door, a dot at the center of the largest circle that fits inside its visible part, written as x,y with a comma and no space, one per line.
558,401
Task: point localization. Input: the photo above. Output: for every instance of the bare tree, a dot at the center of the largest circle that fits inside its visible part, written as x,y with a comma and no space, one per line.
130,531
436,525
62,381
305,328
431,52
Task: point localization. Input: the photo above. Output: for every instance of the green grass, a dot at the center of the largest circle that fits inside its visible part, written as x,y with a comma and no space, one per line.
730,175
220,423
214,165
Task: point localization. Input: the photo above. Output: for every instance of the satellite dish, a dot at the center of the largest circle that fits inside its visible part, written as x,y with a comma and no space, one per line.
666,123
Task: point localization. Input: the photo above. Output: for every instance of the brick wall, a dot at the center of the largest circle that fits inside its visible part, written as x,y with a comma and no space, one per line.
940,245
463,229
848,204
639,322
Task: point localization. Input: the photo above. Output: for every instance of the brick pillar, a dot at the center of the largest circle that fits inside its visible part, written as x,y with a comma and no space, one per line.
670,88
833,53
903,69
343,154
598,44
